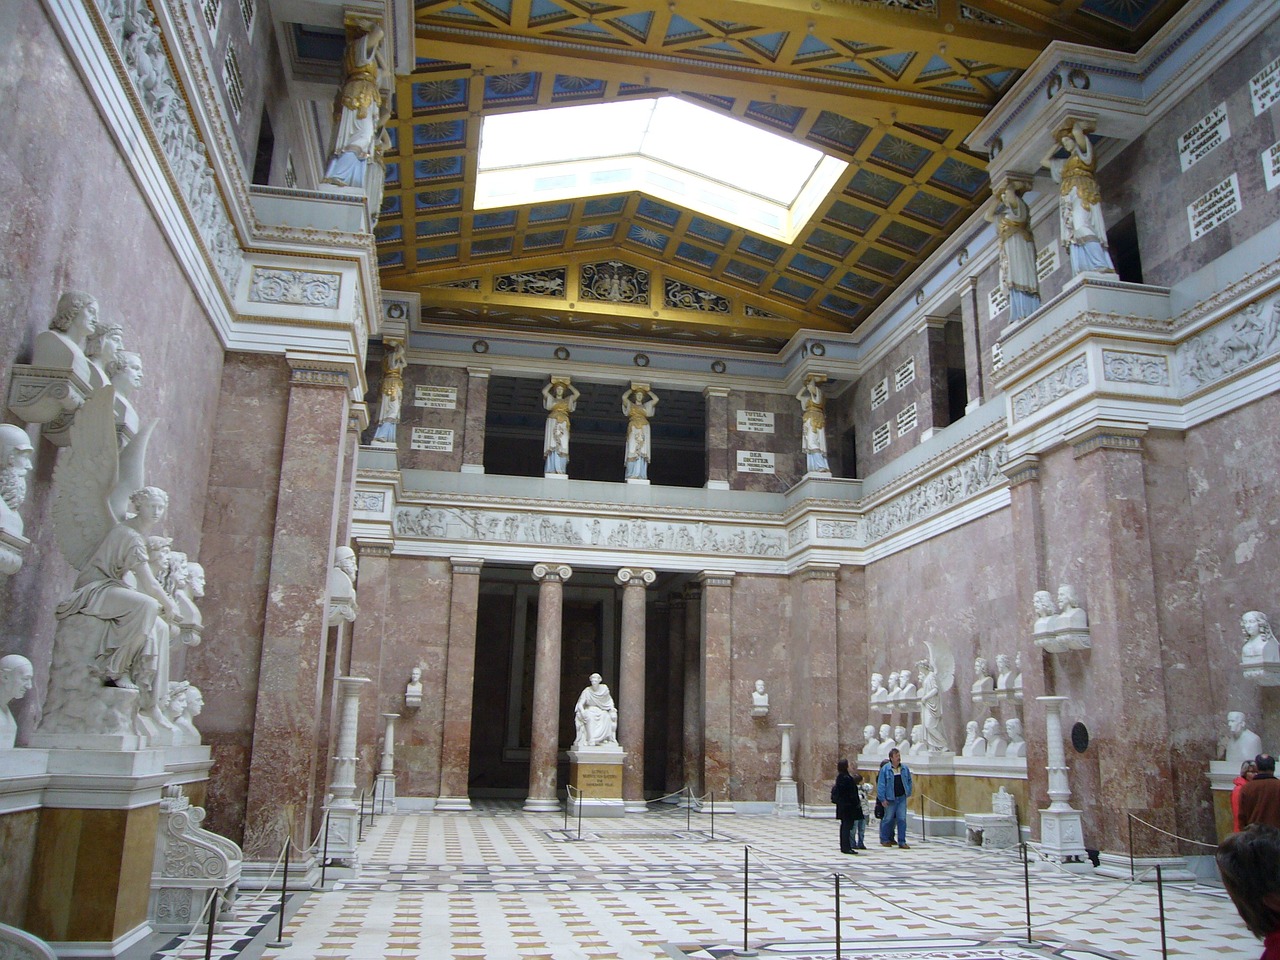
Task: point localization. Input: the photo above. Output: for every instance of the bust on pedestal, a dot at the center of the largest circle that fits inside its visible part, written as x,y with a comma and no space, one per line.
759,700
15,681
1260,655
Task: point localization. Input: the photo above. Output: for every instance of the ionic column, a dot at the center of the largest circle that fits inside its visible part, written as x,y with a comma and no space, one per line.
544,743
675,693
459,681
631,685
717,695
692,727
477,409
717,437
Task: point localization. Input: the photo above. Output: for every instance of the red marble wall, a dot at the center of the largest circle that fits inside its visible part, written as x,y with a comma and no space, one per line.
784,442
66,211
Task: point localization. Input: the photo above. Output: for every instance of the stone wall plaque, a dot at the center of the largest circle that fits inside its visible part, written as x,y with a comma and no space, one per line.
755,421
997,300
1264,88
755,461
1214,208
1046,261
431,438
1208,133
1271,165
438,398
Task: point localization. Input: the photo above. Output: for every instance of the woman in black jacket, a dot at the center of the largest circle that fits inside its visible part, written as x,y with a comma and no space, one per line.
848,800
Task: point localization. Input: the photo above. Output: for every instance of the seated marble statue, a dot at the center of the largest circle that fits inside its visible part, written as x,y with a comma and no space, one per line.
595,716
985,682
413,690
15,681
887,742
759,700
871,743
61,347
1260,644
16,453
879,692
1045,613
974,745
342,589
901,740
918,743
102,348
1242,743
1017,745
996,744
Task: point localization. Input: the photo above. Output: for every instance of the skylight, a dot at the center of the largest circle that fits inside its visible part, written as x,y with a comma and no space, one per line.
668,148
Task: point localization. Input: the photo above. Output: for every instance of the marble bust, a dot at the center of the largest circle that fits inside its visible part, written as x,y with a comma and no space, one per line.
1071,615
186,721
16,454
1045,613
974,745
1260,644
908,691
61,347
413,690
887,742
879,692
901,740
871,743
984,682
1004,671
918,742
125,371
895,686
342,589
1017,745
1242,743
759,700
996,744
102,347
15,681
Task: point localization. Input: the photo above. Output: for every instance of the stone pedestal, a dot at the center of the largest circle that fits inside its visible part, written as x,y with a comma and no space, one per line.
595,773
384,788
343,811
1061,827
786,800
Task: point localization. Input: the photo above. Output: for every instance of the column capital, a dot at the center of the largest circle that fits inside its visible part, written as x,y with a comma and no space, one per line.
1105,436
635,577
479,373
552,572
1023,469
715,392
470,565
367,547
716,578
315,372
815,570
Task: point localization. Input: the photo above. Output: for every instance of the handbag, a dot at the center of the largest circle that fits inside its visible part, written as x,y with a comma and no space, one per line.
879,810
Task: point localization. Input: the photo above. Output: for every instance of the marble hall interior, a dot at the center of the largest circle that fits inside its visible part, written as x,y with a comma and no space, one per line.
828,378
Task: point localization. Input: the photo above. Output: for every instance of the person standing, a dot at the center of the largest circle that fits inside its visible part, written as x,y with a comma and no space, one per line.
1260,797
893,787
1249,863
848,800
1248,770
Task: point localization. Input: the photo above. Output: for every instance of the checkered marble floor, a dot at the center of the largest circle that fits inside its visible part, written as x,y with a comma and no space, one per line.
499,883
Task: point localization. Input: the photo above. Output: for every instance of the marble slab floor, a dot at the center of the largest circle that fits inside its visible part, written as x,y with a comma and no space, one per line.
499,883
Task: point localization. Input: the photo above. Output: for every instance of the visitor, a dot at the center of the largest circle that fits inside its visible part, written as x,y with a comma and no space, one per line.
848,800
1248,770
1249,862
1260,797
893,787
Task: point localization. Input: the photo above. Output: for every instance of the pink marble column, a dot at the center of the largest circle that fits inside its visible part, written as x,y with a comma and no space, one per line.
282,768
544,744
717,685
692,724
631,685
675,694
718,463
933,415
367,650
975,350
477,409
819,727
459,680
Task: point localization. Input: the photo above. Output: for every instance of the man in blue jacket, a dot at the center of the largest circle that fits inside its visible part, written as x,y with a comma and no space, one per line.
893,787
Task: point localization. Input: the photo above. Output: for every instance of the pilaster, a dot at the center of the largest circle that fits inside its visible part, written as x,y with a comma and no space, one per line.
718,462
477,410
717,684
460,675
544,742
817,632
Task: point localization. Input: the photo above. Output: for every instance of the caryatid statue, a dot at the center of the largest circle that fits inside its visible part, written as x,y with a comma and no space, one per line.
1084,232
1017,249
638,404
559,399
392,393
595,717
813,437
357,109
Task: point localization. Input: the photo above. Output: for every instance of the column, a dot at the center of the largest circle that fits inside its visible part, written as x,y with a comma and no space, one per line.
973,345
718,454
477,410
459,680
819,729
544,744
631,685
282,766
368,636
384,793
933,414
717,692
675,693
343,812
692,721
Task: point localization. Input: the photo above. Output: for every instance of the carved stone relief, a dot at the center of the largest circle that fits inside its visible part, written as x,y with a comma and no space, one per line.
974,475
1231,344
1067,378
294,287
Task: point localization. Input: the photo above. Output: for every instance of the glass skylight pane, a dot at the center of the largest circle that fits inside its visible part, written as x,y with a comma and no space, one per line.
724,148
564,133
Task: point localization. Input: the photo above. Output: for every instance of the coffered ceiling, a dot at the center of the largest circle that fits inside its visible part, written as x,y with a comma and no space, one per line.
892,88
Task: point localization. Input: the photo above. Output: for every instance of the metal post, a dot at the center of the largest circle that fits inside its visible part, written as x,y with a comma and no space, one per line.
746,862
713,815
284,887
360,820
213,918
838,917
688,809
568,795
1131,873
1164,947
922,837
1026,887
579,814
324,856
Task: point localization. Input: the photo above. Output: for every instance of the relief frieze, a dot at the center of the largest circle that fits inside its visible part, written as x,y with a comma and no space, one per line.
1069,377
1231,344
1122,367
972,476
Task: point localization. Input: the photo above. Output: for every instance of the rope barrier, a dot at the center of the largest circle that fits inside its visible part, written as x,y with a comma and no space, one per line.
939,803
1198,843
667,796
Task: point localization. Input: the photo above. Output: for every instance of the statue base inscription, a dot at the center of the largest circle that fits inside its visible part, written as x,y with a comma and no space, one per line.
595,773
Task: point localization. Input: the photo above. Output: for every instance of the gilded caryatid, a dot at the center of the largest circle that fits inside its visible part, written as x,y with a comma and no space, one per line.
357,110
393,364
638,404
814,425
1017,249
559,399
1084,232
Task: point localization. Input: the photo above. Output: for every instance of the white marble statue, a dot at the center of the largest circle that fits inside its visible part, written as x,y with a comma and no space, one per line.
1071,616
181,583
16,453
342,587
879,693
155,689
1004,671
102,347
895,686
183,713
918,743
106,634
759,700
984,683
871,743
1017,251
61,347
595,716
357,109
1017,746
15,681
1046,613
559,399
901,740
1015,681
974,745
937,675
1083,230
639,446
392,393
125,371
1242,743
887,742
413,689
908,691
1260,644
996,744
813,439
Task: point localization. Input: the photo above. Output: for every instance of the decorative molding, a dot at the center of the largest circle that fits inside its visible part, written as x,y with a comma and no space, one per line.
716,578
1220,350
818,571
974,475
374,548
466,565
1106,437
1023,469
315,375
1065,379
1120,366
303,287
369,501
